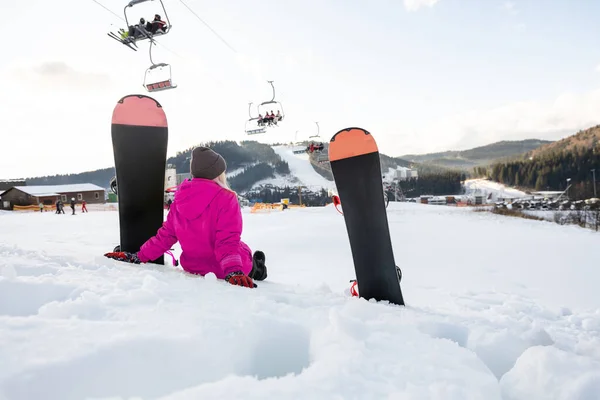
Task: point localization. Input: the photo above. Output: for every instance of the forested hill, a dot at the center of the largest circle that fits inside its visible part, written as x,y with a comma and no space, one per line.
549,167
258,156
249,162
483,155
584,139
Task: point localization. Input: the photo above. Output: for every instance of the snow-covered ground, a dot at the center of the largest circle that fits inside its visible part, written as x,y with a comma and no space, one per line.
237,171
485,187
497,308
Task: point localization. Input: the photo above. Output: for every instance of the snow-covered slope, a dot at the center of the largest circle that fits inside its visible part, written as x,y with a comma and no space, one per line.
301,171
485,187
520,325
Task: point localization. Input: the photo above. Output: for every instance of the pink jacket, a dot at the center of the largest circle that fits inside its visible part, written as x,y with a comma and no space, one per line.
207,221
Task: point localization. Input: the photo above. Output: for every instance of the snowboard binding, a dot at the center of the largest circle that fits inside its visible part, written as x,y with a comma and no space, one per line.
354,286
113,185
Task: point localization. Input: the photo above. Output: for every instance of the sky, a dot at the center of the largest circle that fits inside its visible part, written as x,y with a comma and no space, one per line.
420,75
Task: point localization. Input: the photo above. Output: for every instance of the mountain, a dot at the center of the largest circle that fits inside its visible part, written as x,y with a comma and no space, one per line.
569,161
261,169
258,157
249,163
585,139
478,156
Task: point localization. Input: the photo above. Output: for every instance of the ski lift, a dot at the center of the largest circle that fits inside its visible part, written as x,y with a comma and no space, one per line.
253,128
141,29
318,135
140,32
278,106
158,85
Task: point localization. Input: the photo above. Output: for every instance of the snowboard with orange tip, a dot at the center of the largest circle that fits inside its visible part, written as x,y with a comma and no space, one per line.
356,168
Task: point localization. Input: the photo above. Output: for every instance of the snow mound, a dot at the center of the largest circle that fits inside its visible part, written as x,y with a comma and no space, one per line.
479,324
545,373
126,331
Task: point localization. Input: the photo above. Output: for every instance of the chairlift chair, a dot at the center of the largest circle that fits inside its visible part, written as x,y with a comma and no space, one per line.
278,107
256,131
158,85
318,135
148,35
252,127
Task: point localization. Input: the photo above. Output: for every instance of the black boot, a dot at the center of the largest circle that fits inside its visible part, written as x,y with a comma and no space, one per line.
259,269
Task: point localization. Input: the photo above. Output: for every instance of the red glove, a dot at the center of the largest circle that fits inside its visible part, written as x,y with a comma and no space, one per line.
124,256
238,278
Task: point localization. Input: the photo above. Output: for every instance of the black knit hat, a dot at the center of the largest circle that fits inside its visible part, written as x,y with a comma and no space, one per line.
206,163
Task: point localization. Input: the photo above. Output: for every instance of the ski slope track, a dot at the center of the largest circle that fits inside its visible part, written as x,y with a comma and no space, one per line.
301,168
495,189
497,308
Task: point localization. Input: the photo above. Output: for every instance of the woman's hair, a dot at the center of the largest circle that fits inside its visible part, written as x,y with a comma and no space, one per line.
222,181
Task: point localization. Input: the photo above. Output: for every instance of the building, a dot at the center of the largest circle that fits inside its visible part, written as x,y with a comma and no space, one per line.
549,195
49,194
403,173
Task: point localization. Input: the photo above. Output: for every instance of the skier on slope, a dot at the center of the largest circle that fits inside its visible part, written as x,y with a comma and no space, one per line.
206,219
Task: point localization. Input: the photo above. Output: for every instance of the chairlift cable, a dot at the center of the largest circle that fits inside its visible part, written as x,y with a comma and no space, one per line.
109,10
166,48
208,26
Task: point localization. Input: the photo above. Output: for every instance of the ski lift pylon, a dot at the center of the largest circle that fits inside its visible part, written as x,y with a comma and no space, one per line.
158,85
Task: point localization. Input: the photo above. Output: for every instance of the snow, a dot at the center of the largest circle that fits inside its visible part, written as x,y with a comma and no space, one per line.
279,181
390,174
302,172
497,308
237,171
485,187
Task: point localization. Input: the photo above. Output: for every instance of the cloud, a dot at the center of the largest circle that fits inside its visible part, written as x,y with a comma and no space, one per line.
57,74
510,6
552,120
598,68
414,5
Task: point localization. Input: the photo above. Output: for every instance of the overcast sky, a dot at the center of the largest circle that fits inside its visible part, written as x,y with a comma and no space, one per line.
421,75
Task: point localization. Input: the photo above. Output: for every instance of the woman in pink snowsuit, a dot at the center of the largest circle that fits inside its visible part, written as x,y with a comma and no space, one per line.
205,218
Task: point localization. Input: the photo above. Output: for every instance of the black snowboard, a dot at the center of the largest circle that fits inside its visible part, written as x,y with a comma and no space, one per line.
354,159
139,136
